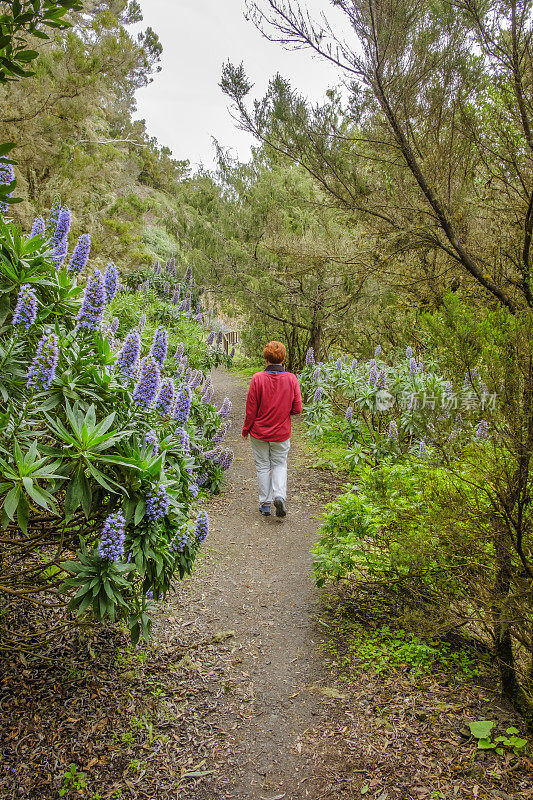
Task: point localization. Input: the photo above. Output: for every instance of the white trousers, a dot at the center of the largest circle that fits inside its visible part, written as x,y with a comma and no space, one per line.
271,465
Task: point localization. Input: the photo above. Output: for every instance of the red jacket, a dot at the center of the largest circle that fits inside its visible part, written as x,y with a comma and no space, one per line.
272,397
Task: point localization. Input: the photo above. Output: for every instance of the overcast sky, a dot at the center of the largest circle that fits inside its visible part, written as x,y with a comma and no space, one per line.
184,106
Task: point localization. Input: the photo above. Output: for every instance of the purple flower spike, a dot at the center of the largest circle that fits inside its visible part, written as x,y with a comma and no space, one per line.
377,351
92,310
60,252
184,440
165,398
151,439
148,384
338,363
225,408
110,282
25,311
413,366
54,214
196,380
349,414
182,406
111,545
202,526
210,339
408,351
208,394
393,430
227,460
80,256
310,356
159,347
63,226
222,431
43,367
179,541
37,229
157,503
179,351
7,175
142,322
482,430
318,395
128,358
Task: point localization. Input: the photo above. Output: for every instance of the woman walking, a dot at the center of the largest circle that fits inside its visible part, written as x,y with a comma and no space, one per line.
274,395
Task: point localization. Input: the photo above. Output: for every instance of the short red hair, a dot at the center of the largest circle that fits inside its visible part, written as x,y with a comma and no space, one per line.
274,352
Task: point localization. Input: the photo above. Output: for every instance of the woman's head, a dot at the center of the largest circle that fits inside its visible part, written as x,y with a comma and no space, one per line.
274,353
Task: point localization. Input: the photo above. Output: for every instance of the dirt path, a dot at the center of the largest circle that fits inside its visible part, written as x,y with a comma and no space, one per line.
256,590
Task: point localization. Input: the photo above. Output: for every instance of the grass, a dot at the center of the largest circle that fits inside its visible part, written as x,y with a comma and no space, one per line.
329,452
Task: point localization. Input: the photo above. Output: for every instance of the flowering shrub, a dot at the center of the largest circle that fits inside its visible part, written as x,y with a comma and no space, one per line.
102,470
388,410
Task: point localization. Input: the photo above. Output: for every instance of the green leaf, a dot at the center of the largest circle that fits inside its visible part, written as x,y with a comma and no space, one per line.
23,514
481,729
485,744
11,502
140,511
75,493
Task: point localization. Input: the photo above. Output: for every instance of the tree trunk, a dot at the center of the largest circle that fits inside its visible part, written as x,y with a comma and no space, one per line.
503,642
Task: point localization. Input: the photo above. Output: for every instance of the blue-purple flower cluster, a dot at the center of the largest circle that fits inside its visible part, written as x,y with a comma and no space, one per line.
25,312
7,175
92,309
208,394
225,408
43,367
59,239
184,440
157,503
111,545
221,433
148,384
482,430
182,406
150,439
202,526
80,256
165,397
196,379
179,541
37,229
110,282
210,339
310,356
159,347
128,358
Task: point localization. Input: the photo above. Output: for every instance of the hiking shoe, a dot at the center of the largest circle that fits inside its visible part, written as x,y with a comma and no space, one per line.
264,508
279,505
